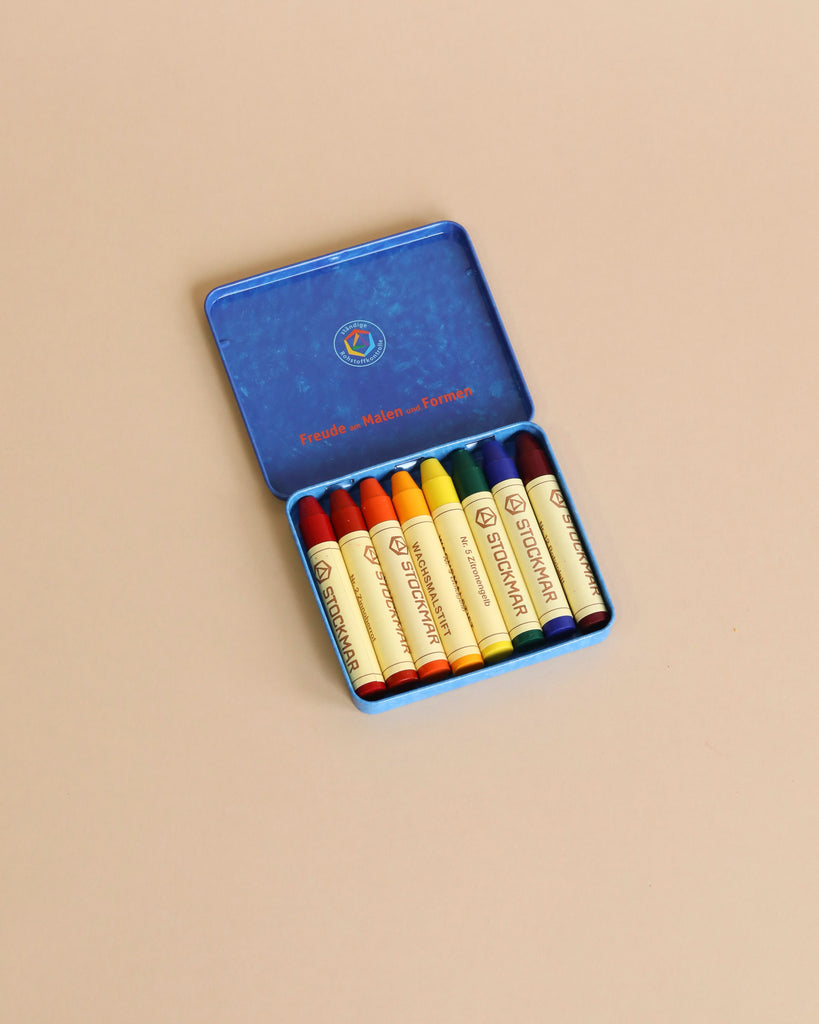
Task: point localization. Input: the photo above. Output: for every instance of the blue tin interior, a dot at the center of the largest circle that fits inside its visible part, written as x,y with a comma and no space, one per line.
447,370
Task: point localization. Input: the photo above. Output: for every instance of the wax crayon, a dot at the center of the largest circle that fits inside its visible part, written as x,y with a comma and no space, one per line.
370,587
435,574
542,580
339,600
496,551
453,530
425,645
566,547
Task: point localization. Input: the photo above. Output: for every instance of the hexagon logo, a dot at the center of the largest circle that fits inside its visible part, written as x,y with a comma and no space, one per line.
398,546
485,517
370,555
556,498
322,570
515,504
359,343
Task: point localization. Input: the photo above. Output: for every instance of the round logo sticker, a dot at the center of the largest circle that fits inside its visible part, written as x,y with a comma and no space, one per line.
359,343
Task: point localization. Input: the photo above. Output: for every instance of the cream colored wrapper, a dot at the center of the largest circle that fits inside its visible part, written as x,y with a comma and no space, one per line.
407,594
338,597
470,575
531,551
502,567
376,603
440,589
571,561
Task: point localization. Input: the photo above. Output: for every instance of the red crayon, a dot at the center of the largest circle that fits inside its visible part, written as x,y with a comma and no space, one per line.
339,599
562,539
372,591
416,619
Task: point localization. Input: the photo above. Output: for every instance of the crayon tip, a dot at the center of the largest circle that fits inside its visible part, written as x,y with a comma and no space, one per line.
431,469
407,497
402,481
309,506
340,499
437,484
532,458
345,515
375,503
314,522
497,465
371,488
466,474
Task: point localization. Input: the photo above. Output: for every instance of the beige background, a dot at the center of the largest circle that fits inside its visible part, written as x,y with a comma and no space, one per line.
197,825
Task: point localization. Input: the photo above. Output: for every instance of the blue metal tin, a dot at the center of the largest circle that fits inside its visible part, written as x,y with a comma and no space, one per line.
361,356
368,360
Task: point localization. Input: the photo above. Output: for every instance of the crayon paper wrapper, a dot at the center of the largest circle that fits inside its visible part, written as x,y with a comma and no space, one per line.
470,575
531,551
571,561
442,595
407,593
338,598
502,567
376,603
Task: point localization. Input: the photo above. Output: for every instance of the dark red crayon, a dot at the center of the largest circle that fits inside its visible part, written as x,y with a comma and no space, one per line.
314,523
565,546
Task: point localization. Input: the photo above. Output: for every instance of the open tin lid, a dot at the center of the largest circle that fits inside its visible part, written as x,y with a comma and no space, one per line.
366,355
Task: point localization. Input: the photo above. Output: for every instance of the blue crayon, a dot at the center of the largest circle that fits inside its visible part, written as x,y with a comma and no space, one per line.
532,552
